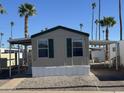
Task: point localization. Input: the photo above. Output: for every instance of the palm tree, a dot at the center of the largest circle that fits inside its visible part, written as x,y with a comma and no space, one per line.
96,22
1,34
26,10
12,24
2,10
120,18
107,22
99,18
93,7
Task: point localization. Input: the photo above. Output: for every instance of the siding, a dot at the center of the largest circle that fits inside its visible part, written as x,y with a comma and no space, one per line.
60,53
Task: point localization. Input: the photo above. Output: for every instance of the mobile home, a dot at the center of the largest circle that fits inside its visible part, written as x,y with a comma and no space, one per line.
60,51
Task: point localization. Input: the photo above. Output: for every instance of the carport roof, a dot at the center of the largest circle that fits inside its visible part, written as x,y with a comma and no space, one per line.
22,41
101,42
59,27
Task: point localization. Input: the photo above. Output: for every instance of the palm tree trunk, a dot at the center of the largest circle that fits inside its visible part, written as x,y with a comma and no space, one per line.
26,26
99,17
92,24
11,31
96,31
107,34
26,36
120,18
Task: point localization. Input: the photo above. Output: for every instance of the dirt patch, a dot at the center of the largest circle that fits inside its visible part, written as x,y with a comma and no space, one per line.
108,74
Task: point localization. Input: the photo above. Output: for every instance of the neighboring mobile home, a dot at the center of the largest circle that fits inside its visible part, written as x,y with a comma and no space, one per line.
60,51
98,55
117,51
4,56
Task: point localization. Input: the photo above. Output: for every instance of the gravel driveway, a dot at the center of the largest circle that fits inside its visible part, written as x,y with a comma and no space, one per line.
57,81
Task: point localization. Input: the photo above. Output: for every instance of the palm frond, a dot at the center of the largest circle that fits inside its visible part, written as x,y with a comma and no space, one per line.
107,21
27,9
2,10
93,5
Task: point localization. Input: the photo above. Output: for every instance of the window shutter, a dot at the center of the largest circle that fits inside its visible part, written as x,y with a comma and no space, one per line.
51,48
69,47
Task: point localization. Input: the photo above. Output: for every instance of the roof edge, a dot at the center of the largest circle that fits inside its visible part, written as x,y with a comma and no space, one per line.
59,27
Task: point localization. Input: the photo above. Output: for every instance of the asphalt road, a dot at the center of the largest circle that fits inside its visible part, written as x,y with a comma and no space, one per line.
60,91
79,89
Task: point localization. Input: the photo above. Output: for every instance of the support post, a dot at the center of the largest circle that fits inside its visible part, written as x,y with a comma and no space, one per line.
18,59
116,56
0,45
10,60
109,57
25,58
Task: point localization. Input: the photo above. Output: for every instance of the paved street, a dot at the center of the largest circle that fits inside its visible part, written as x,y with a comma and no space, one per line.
60,91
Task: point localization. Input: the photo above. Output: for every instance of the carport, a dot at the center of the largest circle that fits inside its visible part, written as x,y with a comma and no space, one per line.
19,41
103,43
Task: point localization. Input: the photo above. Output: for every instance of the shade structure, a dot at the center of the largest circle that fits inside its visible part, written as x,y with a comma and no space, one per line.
22,41
18,41
101,42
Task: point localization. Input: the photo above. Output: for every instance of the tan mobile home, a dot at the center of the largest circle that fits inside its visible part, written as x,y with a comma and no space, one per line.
60,51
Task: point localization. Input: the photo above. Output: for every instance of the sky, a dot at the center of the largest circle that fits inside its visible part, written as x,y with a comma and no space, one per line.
50,13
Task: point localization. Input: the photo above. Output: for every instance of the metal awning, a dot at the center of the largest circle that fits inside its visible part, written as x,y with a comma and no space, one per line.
19,41
101,42
22,41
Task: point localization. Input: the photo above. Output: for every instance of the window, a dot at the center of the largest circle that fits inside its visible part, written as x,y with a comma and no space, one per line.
46,48
77,46
114,49
43,48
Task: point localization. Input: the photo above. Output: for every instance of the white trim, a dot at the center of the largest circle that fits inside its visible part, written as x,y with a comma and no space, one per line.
77,40
74,40
61,70
42,48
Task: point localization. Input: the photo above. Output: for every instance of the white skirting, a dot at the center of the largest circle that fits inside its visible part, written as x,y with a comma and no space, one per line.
61,70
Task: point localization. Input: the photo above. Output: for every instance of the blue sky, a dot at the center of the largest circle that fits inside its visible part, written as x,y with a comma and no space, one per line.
50,13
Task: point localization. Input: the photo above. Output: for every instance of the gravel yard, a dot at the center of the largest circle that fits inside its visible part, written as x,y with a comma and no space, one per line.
70,83
58,81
